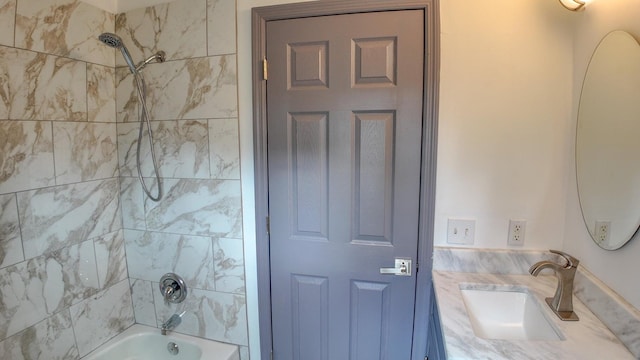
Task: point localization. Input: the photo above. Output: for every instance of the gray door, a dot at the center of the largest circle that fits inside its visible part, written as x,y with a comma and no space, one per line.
344,115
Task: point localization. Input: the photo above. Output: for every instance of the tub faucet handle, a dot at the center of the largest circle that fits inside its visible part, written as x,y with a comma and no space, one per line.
173,288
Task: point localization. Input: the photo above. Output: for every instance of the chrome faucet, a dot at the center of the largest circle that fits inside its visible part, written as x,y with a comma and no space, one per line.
172,323
562,302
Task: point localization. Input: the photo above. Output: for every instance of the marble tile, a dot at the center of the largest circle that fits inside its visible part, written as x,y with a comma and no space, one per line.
178,28
26,155
12,67
50,339
208,314
197,207
620,317
22,296
32,290
229,265
151,255
492,261
56,217
84,151
7,21
616,313
143,307
198,88
77,265
102,316
101,93
224,147
244,353
126,97
7,64
584,339
110,259
10,240
181,148
66,28
37,86
132,203
221,27
127,150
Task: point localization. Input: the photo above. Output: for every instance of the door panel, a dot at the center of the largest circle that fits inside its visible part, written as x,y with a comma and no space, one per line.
307,65
310,308
373,176
344,123
373,62
309,174
369,320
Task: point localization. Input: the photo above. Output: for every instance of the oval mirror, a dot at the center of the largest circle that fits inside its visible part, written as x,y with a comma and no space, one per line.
608,142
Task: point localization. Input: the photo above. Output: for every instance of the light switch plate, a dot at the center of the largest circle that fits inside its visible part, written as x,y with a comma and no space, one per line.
461,231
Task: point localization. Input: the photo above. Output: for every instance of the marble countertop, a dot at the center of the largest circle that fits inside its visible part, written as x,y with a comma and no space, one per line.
584,339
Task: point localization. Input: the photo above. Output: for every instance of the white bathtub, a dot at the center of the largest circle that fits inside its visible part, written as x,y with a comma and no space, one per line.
141,342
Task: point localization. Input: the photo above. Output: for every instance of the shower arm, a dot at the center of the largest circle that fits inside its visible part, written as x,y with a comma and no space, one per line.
160,56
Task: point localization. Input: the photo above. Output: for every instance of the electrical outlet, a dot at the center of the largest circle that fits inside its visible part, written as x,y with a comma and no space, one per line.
460,231
516,232
603,229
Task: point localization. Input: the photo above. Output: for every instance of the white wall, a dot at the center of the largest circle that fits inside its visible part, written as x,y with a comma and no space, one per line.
505,106
619,269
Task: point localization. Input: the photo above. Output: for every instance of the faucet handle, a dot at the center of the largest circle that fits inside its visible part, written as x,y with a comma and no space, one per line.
571,261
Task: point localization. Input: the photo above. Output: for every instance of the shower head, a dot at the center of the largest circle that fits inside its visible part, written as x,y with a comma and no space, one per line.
115,41
112,40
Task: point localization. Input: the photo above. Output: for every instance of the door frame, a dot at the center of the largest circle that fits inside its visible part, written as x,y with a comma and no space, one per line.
259,18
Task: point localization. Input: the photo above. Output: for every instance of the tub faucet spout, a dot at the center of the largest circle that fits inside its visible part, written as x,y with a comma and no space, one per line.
562,302
172,323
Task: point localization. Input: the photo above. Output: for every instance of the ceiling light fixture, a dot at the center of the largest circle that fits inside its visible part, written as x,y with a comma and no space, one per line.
573,5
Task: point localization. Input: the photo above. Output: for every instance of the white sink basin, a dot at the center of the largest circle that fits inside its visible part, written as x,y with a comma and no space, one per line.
507,315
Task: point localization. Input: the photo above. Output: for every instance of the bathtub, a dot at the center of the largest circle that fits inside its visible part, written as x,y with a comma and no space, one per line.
141,342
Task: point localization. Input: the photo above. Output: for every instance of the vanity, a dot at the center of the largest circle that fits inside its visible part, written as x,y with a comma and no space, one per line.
459,272
487,305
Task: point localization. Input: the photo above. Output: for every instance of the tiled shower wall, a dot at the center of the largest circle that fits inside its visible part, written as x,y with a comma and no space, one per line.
69,198
63,276
196,229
